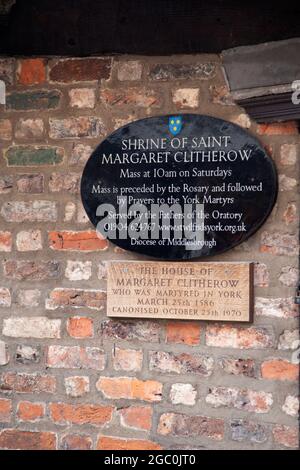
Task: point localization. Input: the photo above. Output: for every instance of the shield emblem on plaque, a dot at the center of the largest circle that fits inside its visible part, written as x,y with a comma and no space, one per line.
175,124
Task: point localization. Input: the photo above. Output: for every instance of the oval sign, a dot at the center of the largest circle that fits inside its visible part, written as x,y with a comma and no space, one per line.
179,187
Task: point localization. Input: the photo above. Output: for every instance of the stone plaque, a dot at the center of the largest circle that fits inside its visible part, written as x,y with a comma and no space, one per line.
179,187
186,291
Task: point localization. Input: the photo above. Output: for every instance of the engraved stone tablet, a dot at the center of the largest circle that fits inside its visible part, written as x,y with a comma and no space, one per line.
185,291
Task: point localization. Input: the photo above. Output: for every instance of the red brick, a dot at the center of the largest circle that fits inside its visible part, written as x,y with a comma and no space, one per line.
80,327
137,417
227,336
77,241
279,369
116,443
61,298
5,410
31,72
28,411
183,332
278,128
127,359
77,70
135,97
64,413
27,383
130,388
27,440
5,241
286,436
76,442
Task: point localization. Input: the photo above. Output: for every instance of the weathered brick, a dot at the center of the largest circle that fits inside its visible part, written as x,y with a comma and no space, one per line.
31,270
32,211
279,369
5,410
64,413
33,155
31,327
82,217
102,270
31,71
70,210
226,336
6,184
4,356
136,417
76,127
127,359
278,128
288,276
242,399
233,366
77,386
289,340
5,241
130,70
122,121
15,439
33,100
243,430
182,71
130,388
29,129
290,214
27,383
242,120
286,436
28,298
165,362
78,270
26,354
261,275
5,129
5,297
279,307
69,182
80,154
288,154
75,357
80,327
183,394
77,241
176,424
131,330
82,98
30,183
139,97
183,332
186,98
117,443
277,243
28,411
61,298
291,405
7,67
30,240
79,70
220,94
76,442
286,183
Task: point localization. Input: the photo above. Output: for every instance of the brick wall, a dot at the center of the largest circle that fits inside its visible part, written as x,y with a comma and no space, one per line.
69,376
